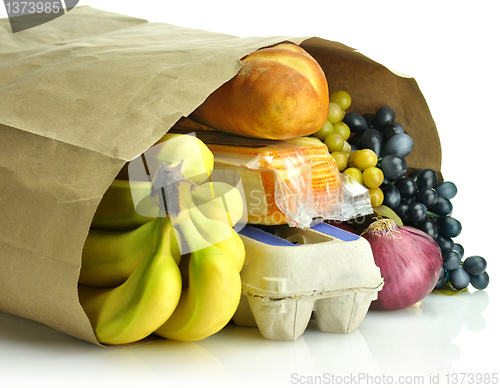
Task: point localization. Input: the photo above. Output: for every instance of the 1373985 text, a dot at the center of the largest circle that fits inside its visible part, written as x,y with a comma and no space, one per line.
31,7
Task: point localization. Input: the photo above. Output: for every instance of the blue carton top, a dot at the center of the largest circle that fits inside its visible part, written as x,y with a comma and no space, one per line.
270,239
333,231
264,237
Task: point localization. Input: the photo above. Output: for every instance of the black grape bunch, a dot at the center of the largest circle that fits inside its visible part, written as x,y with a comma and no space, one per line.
418,197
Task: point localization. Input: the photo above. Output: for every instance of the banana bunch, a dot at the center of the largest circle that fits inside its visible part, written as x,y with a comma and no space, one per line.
168,263
127,204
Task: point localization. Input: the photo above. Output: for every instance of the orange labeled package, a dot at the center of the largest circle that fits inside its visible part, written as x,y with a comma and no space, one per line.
293,181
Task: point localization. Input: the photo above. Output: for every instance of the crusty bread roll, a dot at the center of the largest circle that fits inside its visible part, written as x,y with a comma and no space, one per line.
280,92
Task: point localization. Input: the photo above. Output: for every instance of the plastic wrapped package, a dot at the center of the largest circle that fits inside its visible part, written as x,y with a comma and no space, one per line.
294,181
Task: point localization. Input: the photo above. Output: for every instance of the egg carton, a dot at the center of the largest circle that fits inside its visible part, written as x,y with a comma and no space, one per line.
292,275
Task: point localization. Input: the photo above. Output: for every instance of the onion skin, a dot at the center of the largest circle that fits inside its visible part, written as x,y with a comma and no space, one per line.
410,262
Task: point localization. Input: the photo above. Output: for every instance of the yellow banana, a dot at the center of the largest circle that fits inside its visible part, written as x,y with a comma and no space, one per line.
211,231
219,200
214,290
117,211
209,302
178,149
220,234
213,295
110,257
139,306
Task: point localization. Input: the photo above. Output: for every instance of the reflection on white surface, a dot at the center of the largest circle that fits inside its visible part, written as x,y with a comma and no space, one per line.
423,341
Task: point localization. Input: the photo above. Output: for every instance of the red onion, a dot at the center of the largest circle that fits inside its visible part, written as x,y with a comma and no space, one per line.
410,262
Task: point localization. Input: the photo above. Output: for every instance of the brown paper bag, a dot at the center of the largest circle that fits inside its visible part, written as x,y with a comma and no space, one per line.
87,92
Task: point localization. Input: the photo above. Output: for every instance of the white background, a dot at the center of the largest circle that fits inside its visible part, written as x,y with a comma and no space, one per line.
450,48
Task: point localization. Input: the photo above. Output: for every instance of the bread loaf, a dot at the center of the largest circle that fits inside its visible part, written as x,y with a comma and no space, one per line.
280,92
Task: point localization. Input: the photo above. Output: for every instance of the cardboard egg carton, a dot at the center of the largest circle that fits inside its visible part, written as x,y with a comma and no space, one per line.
292,275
